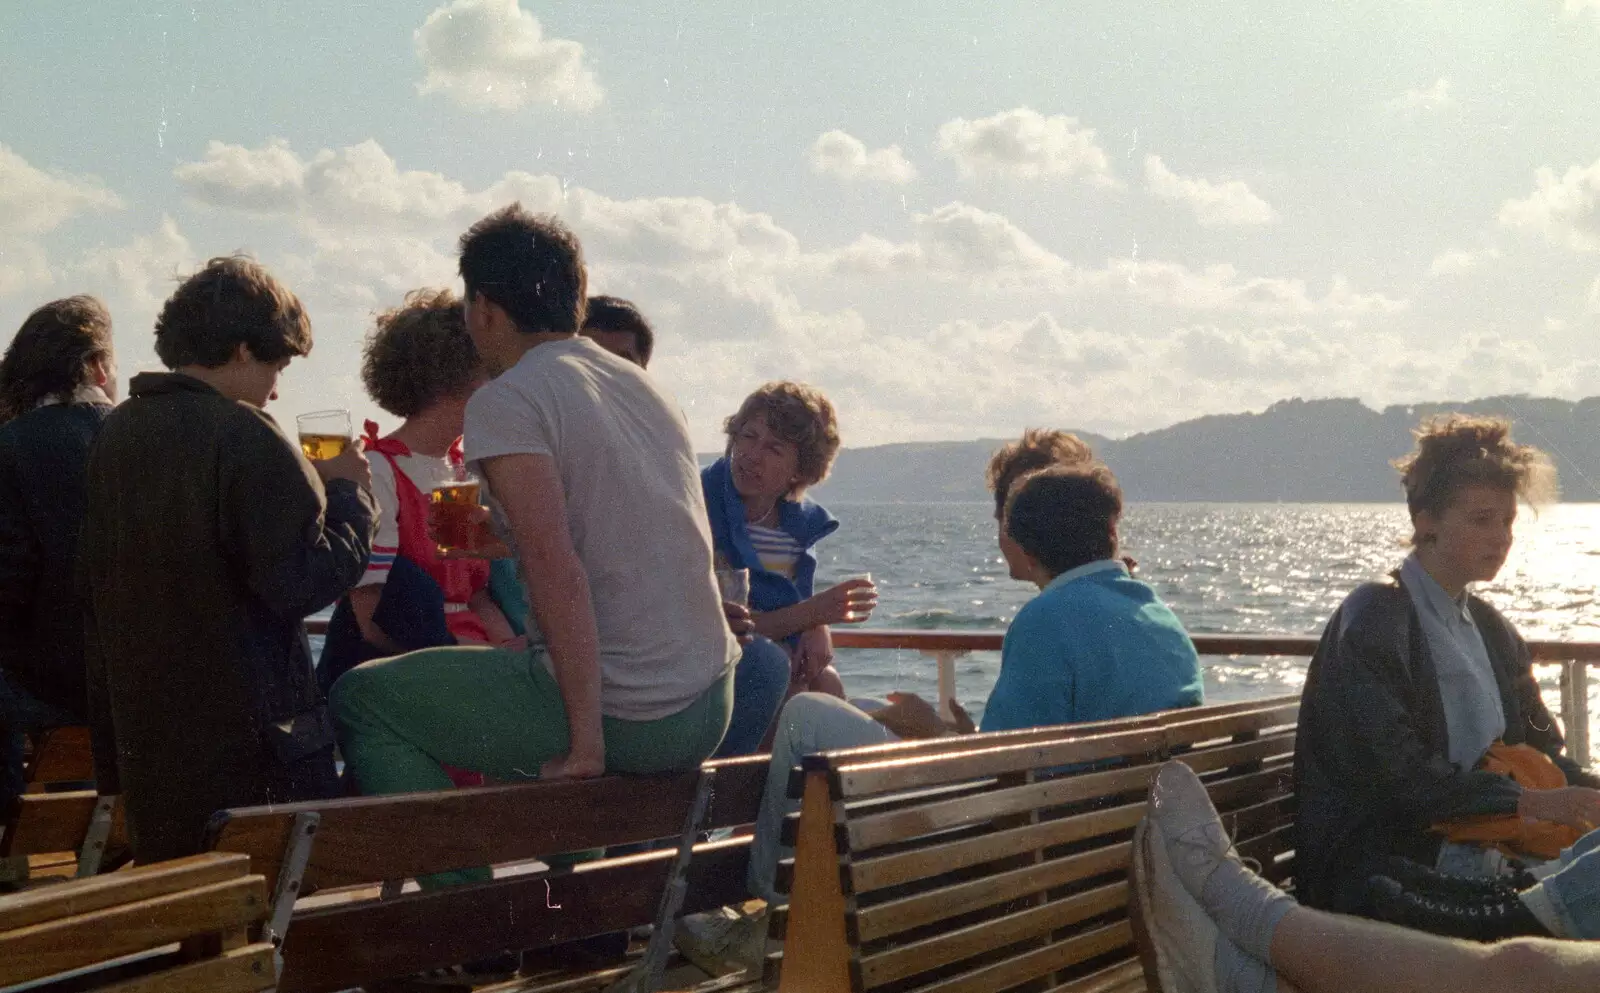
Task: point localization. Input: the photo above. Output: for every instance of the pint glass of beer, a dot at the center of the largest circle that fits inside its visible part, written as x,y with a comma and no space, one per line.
324,434
453,512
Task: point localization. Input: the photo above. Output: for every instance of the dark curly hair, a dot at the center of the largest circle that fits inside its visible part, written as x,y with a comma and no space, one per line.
1065,515
233,300
50,355
1455,451
418,354
800,415
1038,448
531,265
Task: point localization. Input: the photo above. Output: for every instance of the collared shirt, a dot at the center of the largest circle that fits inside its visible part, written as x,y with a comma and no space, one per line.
1093,645
1473,714
88,393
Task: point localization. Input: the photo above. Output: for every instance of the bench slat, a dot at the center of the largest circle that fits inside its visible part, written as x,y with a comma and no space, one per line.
87,939
375,839
1052,958
83,896
241,970
64,757
880,871
57,822
1124,977
917,957
906,913
351,945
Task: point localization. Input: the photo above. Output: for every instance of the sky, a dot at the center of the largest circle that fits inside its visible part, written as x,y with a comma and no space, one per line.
957,220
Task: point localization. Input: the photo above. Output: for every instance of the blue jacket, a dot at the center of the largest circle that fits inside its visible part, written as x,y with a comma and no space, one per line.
804,521
1095,644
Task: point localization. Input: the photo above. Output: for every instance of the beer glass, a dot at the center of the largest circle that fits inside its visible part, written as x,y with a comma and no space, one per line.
324,434
734,585
453,512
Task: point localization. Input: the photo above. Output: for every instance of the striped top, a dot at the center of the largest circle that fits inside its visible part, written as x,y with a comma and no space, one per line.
778,552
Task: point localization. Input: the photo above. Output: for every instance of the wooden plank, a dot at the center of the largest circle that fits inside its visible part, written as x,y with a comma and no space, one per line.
991,739
64,756
895,869
240,970
74,942
1275,779
1011,972
1203,760
1226,725
816,951
1124,977
83,896
963,943
1265,847
347,945
894,916
898,825
1257,819
50,822
372,839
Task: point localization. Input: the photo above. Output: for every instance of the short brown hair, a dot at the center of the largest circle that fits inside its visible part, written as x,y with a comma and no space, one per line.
616,314
800,415
1455,451
1037,449
529,264
1065,515
232,301
418,354
50,355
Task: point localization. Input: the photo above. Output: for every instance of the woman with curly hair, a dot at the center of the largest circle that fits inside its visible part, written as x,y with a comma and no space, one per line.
1424,751
419,365
781,442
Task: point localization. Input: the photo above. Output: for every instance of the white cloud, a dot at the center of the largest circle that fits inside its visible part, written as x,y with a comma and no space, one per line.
1573,8
145,271
1221,287
955,241
844,156
1454,261
1025,144
1565,209
1434,98
491,55
33,201
1214,204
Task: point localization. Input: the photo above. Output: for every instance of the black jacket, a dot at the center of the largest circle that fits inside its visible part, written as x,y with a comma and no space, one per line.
208,539
1371,761
44,455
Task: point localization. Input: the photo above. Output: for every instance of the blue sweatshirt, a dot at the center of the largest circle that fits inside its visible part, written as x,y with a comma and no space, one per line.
805,522
1095,644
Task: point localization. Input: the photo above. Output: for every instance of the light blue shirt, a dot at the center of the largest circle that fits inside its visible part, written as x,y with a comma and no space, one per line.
1095,644
1473,714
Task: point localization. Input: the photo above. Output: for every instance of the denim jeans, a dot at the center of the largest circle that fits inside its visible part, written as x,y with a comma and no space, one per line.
759,683
809,723
1572,892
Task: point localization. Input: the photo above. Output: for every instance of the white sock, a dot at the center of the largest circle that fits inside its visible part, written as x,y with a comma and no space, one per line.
1240,972
1537,900
1246,907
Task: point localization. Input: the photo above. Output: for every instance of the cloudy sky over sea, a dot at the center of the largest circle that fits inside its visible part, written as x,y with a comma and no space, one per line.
956,218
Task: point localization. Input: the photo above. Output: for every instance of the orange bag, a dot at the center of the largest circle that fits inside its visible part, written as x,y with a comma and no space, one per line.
1513,834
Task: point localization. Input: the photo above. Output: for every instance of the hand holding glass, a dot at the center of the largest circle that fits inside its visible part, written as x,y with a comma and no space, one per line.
734,584
454,515
324,434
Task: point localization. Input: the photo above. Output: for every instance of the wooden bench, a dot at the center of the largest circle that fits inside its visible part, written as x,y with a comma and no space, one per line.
173,927
336,868
968,865
61,827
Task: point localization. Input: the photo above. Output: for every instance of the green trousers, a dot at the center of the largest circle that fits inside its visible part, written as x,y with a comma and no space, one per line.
498,712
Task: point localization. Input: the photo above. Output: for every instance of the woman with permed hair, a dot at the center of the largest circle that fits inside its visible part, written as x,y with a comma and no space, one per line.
1424,753
419,365
781,442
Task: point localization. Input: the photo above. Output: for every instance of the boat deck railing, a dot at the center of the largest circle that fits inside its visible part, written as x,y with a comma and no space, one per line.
948,647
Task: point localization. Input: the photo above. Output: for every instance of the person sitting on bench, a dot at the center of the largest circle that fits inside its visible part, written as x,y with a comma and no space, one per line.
1423,736
1218,926
1094,644
591,477
58,380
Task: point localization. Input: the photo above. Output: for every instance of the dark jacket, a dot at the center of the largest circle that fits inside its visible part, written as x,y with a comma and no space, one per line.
208,539
1371,763
806,522
44,455
410,611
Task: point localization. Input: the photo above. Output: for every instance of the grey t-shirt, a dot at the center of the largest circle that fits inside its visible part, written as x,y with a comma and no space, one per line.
636,514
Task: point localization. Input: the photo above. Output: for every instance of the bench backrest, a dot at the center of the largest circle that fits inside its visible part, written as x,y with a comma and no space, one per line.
1001,864
209,902
339,940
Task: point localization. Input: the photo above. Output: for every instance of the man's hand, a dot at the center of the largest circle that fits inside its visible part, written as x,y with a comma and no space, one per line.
911,717
349,464
964,723
1575,806
740,621
570,766
849,602
813,654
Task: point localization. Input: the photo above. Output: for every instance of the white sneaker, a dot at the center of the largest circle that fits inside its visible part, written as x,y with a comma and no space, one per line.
1181,934
1196,842
725,940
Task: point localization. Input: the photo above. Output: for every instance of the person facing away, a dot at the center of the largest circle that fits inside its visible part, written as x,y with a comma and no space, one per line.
781,442
1094,644
419,364
1417,683
208,539
58,380
592,479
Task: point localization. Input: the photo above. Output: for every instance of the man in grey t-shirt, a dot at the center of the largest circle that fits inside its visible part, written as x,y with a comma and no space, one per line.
590,468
